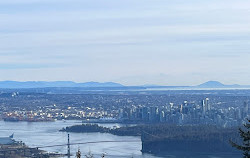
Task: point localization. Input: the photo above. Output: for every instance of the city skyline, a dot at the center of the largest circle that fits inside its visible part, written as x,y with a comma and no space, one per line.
133,43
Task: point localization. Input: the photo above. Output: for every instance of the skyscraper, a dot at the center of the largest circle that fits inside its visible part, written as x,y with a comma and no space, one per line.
245,109
207,105
203,106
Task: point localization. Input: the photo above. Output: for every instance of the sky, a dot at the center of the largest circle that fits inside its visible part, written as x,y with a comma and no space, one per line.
132,42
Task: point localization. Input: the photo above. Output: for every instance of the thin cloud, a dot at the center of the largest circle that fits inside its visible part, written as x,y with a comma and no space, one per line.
105,40
28,66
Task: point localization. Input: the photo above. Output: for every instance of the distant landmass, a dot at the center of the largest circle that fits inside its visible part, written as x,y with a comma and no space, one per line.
216,84
208,84
105,85
43,84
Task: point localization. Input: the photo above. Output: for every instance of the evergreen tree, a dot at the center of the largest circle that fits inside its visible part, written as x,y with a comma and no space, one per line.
78,154
245,135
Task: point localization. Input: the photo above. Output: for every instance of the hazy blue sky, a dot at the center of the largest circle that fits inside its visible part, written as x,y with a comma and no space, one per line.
167,42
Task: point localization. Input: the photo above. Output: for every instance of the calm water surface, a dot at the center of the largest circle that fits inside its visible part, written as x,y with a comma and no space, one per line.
36,134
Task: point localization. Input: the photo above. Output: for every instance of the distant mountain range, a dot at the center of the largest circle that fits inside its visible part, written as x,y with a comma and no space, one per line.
208,84
43,84
216,84
47,84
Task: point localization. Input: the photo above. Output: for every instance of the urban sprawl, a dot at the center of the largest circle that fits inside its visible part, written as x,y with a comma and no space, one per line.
226,111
